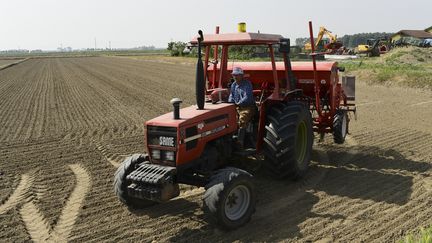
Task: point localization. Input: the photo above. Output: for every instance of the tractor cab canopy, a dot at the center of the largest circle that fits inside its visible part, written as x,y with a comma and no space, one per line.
239,39
218,45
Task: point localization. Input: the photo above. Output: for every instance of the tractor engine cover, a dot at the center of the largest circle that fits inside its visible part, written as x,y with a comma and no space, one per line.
153,182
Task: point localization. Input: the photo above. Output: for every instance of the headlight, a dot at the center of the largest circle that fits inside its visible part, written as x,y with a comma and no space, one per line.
169,155
156,154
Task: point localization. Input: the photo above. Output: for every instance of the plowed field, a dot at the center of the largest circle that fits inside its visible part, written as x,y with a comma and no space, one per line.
8,62
67,123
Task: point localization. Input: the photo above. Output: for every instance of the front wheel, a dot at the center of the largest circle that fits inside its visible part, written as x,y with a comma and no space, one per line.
230,198
120,184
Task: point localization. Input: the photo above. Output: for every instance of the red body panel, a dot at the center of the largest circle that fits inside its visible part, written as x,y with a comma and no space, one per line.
261,72
208,128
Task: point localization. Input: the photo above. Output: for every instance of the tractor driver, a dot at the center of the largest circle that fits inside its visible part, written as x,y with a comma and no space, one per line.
242,95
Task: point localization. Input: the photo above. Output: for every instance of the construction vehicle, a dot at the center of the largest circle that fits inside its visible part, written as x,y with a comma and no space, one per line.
374,47
196,145
330,46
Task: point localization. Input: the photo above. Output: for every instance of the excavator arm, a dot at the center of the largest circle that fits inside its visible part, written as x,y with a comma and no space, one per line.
334,44
323,31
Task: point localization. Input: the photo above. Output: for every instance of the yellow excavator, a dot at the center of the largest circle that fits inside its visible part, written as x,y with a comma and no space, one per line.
374,47
332,45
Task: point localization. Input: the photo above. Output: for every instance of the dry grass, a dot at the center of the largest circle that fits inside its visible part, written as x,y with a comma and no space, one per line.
424,236
411,66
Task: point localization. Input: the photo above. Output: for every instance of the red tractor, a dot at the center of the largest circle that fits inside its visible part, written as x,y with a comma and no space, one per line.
194,145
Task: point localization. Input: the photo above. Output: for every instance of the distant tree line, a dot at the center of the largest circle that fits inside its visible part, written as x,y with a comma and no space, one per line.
178,48
351,41
143,48
247,52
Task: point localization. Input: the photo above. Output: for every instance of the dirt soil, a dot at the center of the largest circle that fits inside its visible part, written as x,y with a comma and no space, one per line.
7,62
67,123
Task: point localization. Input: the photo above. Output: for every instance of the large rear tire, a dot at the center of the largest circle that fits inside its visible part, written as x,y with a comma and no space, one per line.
120,186
340,126
230,198
289,139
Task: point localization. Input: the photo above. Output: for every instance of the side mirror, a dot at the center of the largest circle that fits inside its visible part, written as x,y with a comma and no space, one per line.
284,45
201,37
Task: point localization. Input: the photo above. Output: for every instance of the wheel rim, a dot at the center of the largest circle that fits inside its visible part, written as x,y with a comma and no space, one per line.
301,143
344,125
237,202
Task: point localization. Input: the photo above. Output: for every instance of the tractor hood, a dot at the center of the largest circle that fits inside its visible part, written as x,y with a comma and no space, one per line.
191,115
188,136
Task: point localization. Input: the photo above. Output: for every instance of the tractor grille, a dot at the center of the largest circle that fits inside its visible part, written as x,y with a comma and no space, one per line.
152,174
162,142
162,136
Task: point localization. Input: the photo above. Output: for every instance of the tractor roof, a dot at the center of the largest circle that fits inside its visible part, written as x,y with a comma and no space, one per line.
239,39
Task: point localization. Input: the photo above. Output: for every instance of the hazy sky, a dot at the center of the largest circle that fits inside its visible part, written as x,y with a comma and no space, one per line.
47,24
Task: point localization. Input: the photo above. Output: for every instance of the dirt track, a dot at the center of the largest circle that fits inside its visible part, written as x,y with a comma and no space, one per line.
66,123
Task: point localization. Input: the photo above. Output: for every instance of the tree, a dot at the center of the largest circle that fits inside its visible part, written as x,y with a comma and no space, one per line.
176,48
352,41
302,41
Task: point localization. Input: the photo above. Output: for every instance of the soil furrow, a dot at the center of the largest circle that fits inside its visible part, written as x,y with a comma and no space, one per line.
19,193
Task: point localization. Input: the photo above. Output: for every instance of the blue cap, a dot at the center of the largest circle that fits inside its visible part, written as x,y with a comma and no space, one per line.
237,71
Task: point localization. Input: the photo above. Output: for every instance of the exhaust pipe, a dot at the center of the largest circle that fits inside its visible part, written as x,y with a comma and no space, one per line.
199,81
176,103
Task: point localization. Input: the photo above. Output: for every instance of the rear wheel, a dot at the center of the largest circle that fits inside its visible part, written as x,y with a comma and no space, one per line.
340,126
288,141
120,185
230,198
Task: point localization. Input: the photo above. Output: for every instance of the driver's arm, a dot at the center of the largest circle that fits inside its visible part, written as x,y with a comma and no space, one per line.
231,96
